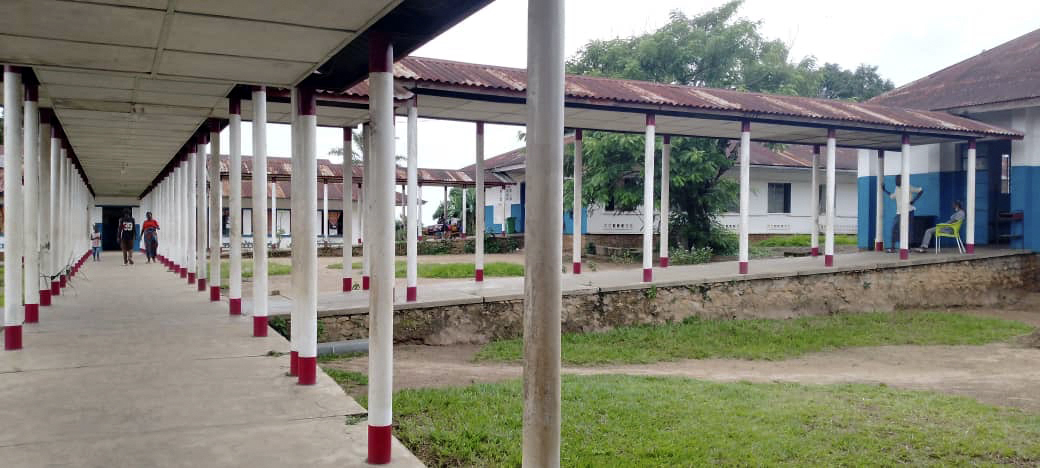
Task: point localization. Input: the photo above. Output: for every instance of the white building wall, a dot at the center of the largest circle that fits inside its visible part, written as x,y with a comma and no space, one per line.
799,220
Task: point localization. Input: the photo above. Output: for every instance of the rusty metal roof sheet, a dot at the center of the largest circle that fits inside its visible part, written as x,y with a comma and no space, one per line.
280,169
475,77
800,156
1008,72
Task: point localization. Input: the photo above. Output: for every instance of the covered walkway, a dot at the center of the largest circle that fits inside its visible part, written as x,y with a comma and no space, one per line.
129,368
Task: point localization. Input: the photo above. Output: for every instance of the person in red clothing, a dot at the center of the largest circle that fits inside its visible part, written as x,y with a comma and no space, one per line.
150,234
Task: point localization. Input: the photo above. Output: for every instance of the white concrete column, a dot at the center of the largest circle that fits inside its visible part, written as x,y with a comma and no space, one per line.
879,202
366,212
828,240
190,188
579,169
259,201
46,259
904,201
666,182
814,201
380,238
200,210
969,203
54,265
14,314
213,275
298,205
348,208
235,213
30,193
419,225
410,236
745,192
273,231
186,198
308,260
62,203
480,229
650,148
544,244
463,228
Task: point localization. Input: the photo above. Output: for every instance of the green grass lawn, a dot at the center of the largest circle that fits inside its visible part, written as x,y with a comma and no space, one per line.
450,270
651,421
768,339
803,240
273,269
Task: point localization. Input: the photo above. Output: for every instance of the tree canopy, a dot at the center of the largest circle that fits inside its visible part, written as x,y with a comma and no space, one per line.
714,49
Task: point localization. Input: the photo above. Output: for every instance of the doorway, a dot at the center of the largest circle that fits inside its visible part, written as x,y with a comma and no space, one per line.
109,224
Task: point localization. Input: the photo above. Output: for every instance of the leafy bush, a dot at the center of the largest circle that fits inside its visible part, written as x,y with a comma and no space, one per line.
804,240
693,256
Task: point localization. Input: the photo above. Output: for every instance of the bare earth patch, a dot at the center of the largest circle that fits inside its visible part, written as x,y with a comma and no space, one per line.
998,373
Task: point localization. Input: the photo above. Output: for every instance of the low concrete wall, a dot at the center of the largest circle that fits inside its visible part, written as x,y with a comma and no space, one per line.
969,282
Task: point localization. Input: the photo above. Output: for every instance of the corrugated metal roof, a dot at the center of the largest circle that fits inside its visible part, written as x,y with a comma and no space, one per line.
475,77
1008,72
281,169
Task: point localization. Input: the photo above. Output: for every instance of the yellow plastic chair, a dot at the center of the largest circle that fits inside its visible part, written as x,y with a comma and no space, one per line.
956,234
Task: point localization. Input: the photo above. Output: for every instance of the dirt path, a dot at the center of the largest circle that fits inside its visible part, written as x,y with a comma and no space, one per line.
998,373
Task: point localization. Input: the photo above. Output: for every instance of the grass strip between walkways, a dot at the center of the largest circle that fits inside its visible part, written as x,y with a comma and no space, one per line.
803,240
613,420
767,339
273,269
450,270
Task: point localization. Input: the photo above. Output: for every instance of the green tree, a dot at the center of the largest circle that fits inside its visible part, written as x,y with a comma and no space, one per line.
713,49
455,207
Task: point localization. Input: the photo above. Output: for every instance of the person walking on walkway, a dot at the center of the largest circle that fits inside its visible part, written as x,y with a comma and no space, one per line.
150,235
916,193
126,237
95,244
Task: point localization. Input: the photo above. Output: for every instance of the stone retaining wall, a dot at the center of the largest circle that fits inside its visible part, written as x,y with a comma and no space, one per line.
977,282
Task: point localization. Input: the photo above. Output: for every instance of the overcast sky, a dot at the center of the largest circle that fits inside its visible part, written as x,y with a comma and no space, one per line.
906,39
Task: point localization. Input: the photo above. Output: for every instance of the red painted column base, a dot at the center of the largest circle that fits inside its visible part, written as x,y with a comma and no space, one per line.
294,363
576,268
970,248
184,272
235,308
828,260
63,281
12,337
308,370
744,268
32,313
214,293
55,288
259,326
411,293
904,254
815,251
202,284
664,262
879,246
365,283
191,277
347,284
480,275
45,297
648,275
379,444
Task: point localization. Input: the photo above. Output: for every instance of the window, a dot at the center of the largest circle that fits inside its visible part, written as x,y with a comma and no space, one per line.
247,222
1005,173
779,198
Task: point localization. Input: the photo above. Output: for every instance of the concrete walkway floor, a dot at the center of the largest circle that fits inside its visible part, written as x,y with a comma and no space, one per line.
131,367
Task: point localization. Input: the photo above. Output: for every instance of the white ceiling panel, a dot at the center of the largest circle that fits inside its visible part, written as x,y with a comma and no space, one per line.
233,69
52,76
81,22
51,52
349,15
243,38
184,100
89,92
184,87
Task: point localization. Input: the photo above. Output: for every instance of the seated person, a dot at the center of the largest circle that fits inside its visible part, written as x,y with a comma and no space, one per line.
915,193
958,215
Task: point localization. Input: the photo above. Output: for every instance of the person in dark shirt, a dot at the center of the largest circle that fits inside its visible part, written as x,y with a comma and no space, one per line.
150,236
127,230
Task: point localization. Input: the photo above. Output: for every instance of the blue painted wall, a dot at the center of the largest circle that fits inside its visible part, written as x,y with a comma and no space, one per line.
516,210
489,218
1025,197
568,222
865,212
